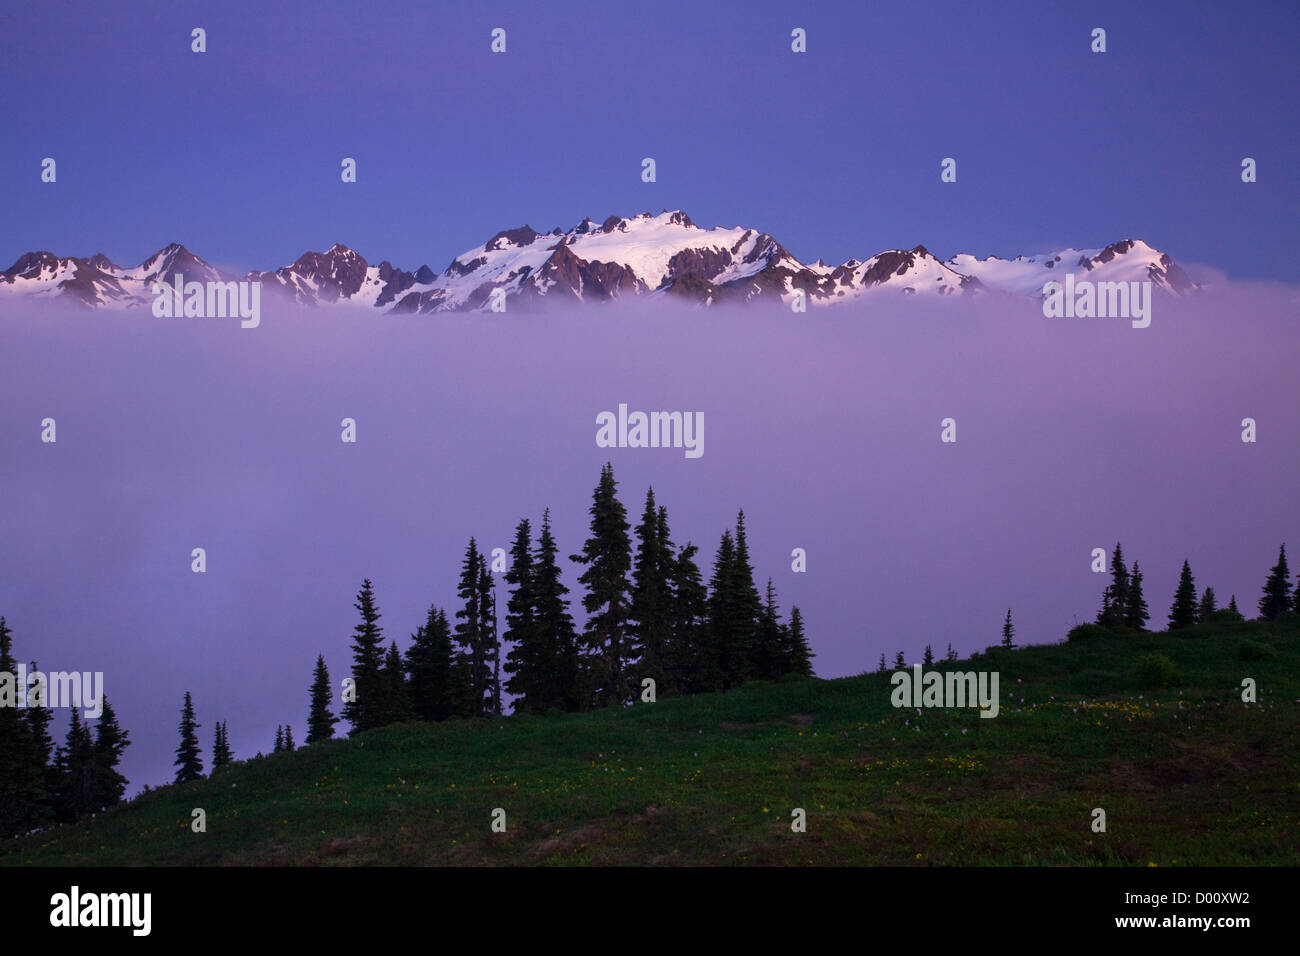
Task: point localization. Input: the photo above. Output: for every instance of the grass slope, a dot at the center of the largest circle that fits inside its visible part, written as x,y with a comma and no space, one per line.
1186,778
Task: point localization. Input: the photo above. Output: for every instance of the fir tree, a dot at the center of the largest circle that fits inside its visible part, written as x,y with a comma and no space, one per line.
320,720
279,740
1118,590
188,763
1183,611
952,655
288,737
768,656
221,755
491,644
428,666
366,710
44,799
557,641
1136,613
722,658
883,668
1207,606
607,555
22,778
652,610
687,650
801,655
76,762
393,677
900,660
1232,606
527,659
749,607
1009,630
472,673
928,659
110,742
1277,589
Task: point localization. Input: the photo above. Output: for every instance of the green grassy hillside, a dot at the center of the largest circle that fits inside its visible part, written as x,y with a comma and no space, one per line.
1187,774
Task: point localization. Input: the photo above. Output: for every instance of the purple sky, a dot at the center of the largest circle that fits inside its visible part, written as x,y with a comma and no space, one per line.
174,434
236,152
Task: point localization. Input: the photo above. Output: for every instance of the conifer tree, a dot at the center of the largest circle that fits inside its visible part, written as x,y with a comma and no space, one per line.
1118,592
607,555
471,667
1277,589
189,765
1136,613
320,720
928,659
1009,630
688,648
428,667
76,763
952,655
221,754
769,655
900,660
527,659
559,679
721,661
365,712
491,644
396,699
800,661
110,742
883,668
22,779
652,608
1183,611
288,737
44,798
1232,606
1207,606
749,609
279,740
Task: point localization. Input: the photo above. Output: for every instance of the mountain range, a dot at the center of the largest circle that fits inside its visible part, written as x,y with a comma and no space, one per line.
646,255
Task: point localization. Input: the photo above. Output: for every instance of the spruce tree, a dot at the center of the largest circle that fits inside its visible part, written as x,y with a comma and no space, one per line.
652,609
883,668
110,742
44,797
288,737
952,655
320,720
1232,606
1277,589
928,659
366,710
800,661
1119,589
1207,606
607,555
279,740
1136,613
900,660
559,679
1009,630
188,764
428,668
1183,611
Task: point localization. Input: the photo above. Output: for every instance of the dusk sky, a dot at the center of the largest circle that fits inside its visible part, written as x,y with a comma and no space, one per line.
236,152
175,434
